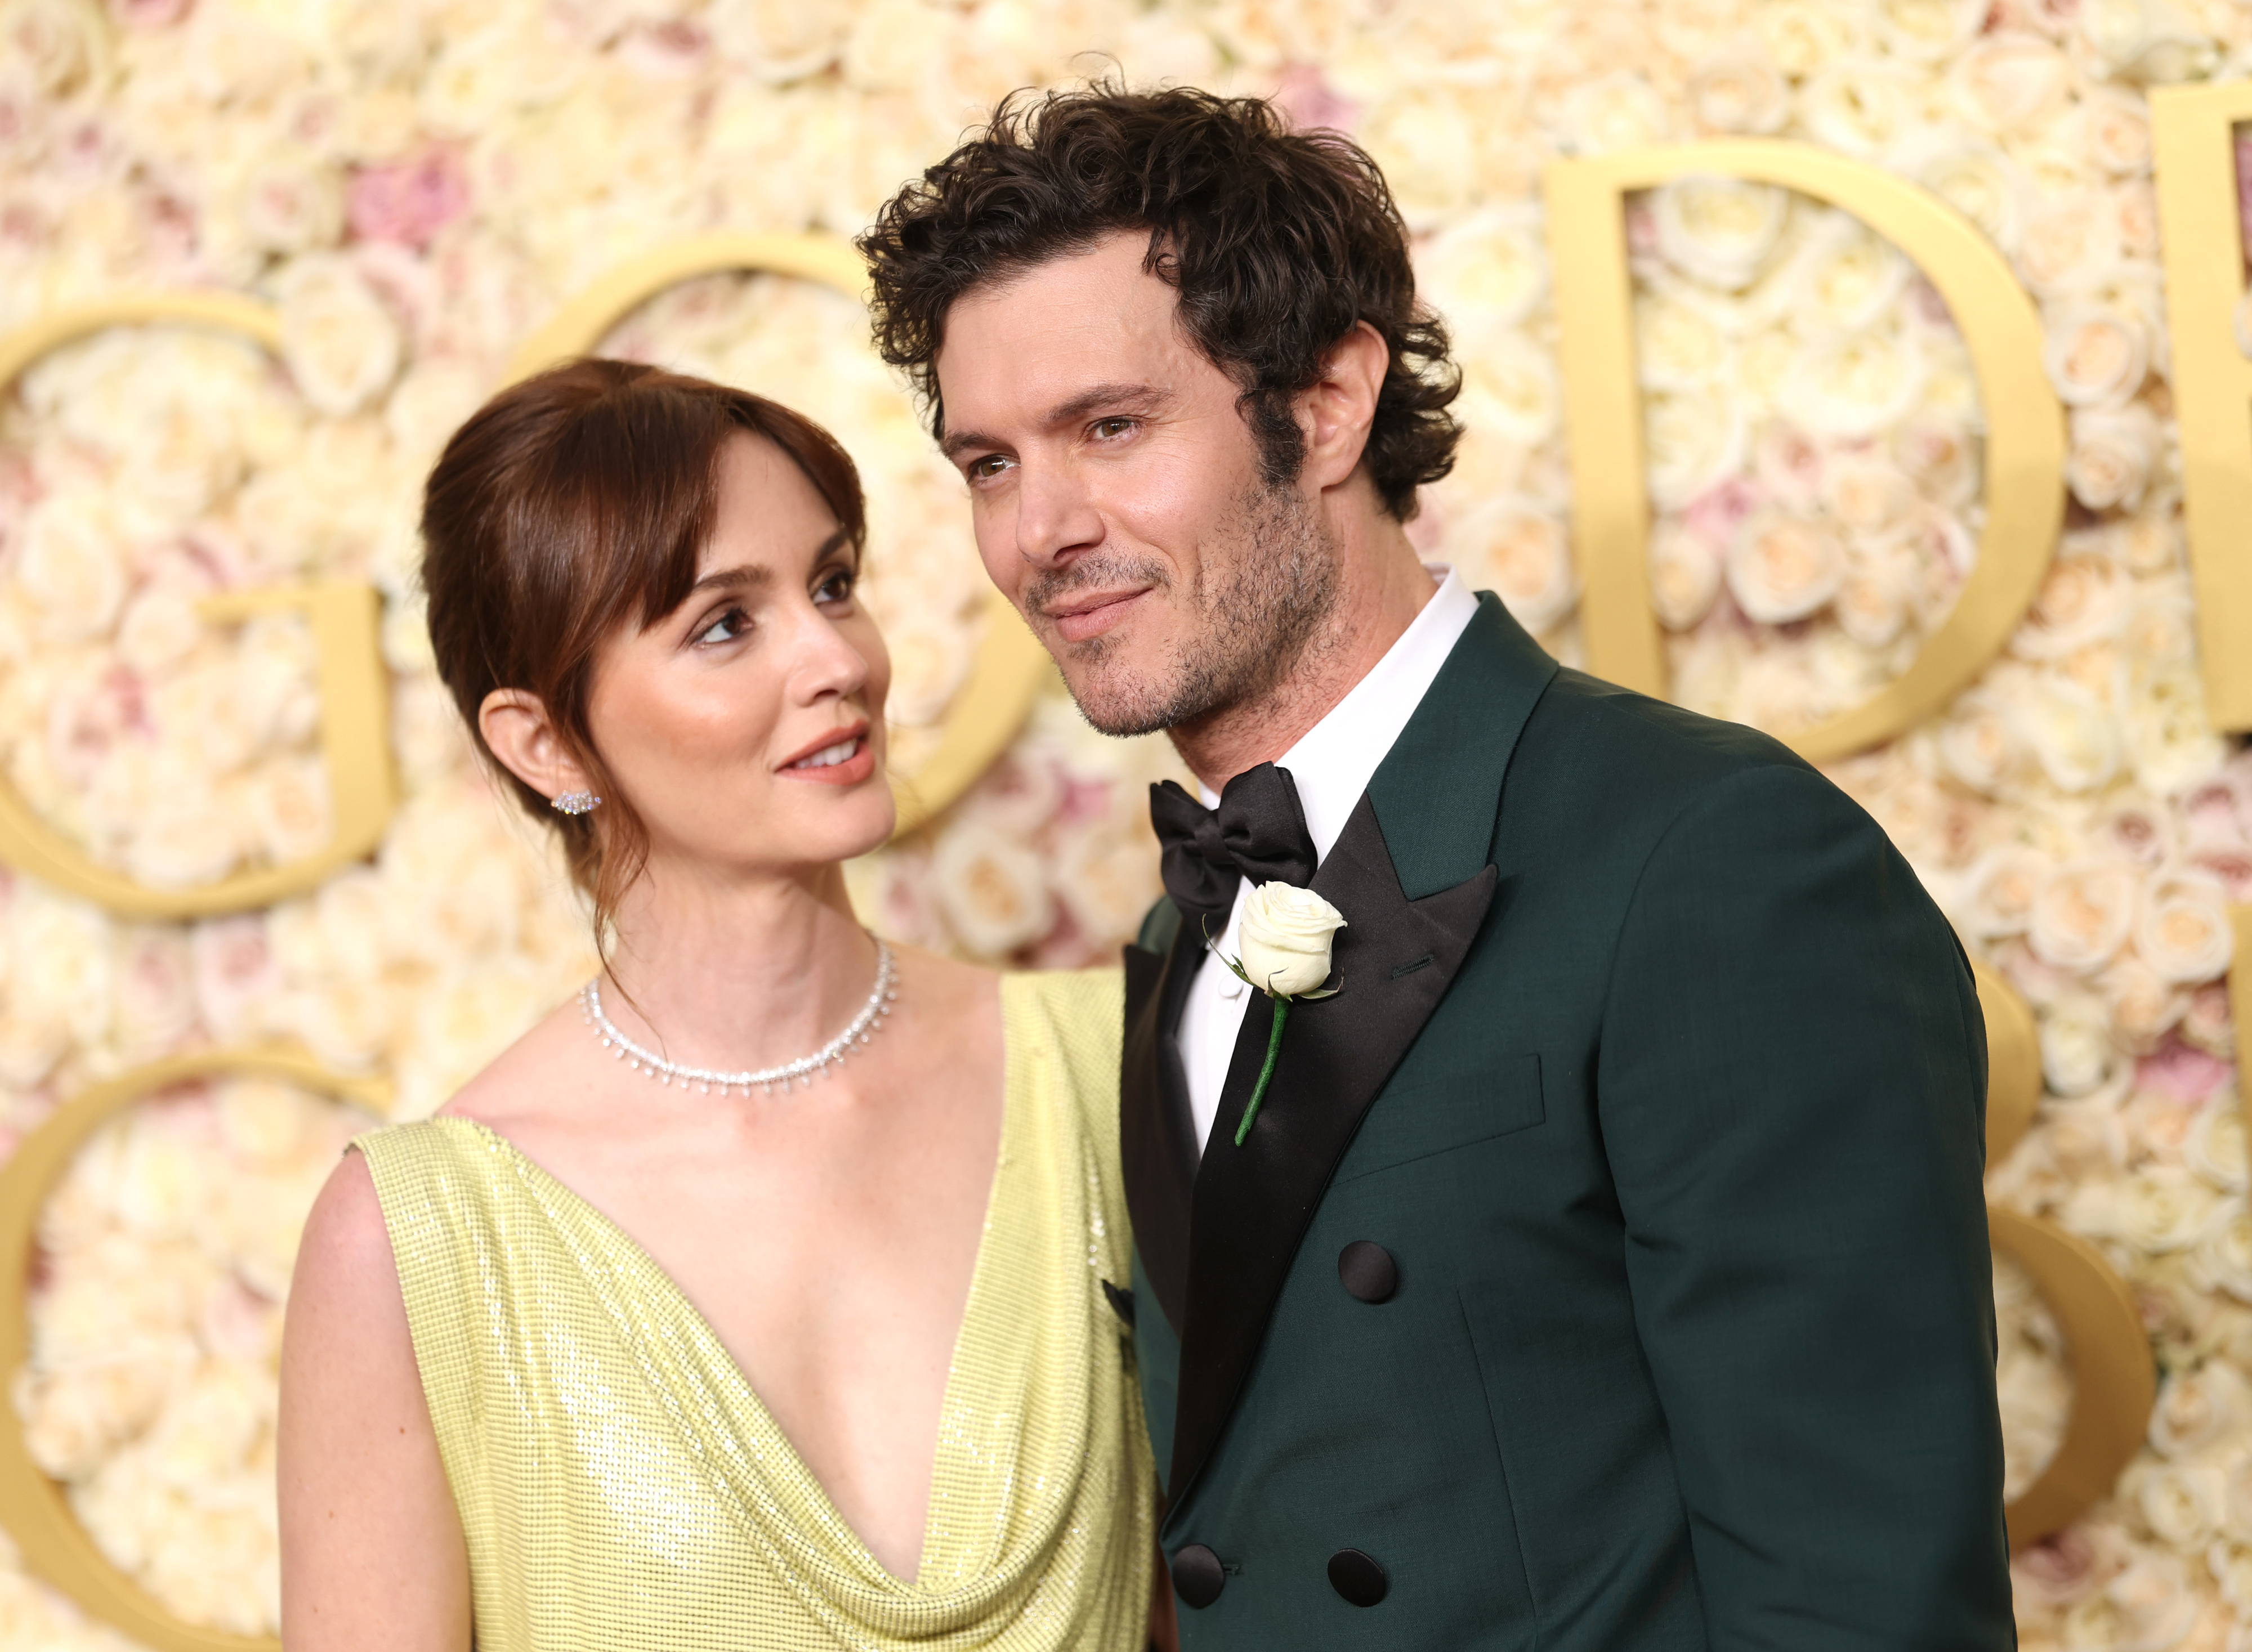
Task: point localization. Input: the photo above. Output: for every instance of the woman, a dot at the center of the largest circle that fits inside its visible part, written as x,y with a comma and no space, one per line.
747,1299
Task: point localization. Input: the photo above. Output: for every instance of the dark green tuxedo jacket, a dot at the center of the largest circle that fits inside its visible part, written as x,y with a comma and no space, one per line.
1661,1082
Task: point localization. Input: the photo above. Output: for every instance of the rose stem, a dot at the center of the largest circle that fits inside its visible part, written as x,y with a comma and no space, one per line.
1259,1091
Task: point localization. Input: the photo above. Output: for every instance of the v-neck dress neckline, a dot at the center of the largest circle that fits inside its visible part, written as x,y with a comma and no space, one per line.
676,1304
621,1485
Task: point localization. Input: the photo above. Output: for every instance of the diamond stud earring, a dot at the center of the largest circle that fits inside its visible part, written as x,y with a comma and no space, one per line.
575,803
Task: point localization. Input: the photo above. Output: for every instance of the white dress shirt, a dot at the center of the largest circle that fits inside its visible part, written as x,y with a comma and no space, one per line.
1332,764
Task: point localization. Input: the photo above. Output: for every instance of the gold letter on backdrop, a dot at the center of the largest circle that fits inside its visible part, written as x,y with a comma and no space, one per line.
2114,1382
2193,131
1602,414
1010,667
355,749
32,1508
354,688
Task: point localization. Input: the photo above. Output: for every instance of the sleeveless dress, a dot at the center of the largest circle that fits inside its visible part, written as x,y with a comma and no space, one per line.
621,1486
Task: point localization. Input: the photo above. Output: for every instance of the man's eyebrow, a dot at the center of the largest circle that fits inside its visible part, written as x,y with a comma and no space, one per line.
1124,396
957,442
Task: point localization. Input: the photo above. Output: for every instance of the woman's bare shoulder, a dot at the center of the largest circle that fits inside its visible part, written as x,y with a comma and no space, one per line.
346,1245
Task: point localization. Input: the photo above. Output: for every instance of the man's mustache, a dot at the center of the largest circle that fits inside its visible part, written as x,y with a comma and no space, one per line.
1107,574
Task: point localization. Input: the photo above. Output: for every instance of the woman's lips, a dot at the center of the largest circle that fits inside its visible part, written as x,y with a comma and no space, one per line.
823,768
1080,624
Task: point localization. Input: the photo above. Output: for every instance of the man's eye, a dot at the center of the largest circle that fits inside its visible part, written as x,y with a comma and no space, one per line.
1106,429
991,465
729,626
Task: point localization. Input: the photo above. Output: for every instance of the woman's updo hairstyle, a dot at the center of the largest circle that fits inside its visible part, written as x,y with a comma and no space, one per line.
573,503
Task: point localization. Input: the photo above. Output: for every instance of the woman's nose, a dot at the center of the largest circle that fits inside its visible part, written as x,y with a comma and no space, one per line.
828,662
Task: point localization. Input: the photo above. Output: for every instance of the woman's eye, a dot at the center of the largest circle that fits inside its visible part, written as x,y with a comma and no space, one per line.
837,588
729,626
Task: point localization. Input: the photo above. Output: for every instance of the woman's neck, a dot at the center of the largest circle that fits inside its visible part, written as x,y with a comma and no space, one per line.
738,973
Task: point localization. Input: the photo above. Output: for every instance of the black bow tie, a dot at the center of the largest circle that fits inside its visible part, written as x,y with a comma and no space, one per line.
1258,832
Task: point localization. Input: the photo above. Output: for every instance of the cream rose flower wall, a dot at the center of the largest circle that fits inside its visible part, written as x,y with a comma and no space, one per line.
415,183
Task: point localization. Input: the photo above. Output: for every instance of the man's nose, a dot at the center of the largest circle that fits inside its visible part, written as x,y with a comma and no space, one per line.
1056,515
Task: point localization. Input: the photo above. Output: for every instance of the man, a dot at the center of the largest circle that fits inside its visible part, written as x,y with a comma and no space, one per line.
1605,1267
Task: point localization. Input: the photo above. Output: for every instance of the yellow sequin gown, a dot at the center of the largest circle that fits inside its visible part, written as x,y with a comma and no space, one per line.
621,1486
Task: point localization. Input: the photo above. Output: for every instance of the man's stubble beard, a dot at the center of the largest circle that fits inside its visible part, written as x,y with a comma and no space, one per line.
1255,615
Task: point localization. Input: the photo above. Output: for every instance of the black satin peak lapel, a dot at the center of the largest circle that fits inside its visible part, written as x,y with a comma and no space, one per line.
1251,1204
1157,1135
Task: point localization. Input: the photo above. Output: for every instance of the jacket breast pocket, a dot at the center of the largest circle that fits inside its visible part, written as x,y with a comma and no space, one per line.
1421,1112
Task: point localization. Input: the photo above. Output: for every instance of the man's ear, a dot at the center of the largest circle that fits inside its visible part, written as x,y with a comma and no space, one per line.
518,729
1338,409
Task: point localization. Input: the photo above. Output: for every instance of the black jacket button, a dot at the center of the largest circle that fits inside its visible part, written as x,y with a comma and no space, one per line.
1368,1271
1197,1578
1358,1579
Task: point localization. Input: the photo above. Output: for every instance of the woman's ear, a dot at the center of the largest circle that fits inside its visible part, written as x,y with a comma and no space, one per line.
518,729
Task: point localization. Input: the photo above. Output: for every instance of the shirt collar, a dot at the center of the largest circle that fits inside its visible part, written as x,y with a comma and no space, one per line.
1334,760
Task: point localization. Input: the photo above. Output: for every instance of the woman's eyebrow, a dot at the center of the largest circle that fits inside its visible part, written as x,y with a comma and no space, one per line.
750,575
742,576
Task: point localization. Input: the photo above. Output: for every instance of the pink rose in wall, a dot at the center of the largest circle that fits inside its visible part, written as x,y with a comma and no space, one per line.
2176,1070
1715,514
673,51
2244,187
2213,814
1427,530
86,151
148,14
1311,102
1020,794
234,971
19,481
1788,463
2137,832
2208,1026
155,990
2232,866
23,123
2058,1571
26,229
237,1323
404,281
1065,947
1641,228
166,221
86,720
1929,307
1083,800
406,201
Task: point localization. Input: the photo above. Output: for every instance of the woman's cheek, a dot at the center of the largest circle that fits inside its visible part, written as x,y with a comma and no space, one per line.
869,642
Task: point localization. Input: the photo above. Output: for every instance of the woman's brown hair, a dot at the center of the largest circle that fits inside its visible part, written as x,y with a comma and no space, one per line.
571,504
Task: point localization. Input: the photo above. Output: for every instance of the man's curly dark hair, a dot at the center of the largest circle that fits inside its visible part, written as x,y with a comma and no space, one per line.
1278,242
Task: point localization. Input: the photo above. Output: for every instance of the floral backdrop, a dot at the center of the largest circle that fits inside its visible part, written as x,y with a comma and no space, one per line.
416,184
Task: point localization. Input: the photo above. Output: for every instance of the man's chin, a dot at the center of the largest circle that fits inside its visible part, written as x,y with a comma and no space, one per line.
1122,706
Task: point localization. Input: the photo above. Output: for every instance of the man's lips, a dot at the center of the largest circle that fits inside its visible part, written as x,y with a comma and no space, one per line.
1080,617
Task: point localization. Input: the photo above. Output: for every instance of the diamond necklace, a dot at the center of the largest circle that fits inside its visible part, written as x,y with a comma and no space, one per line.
805,1069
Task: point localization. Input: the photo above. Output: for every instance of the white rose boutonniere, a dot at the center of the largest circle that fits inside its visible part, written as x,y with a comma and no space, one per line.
1287,934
